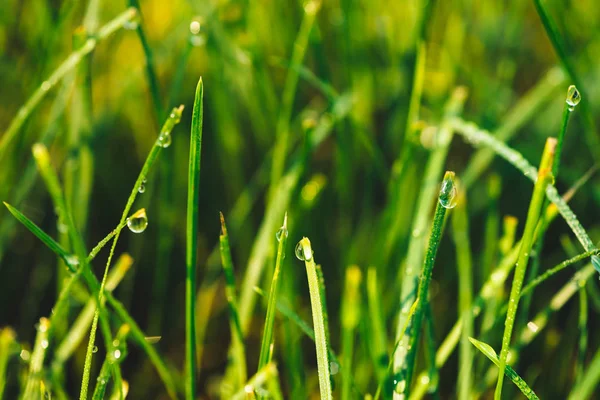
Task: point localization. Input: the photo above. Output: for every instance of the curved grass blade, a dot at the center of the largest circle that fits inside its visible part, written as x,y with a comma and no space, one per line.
489,352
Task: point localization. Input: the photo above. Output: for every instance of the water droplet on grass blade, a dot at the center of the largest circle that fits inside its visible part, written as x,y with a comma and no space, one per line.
142,188
281,233
573,97
448,191
303,254
138,222
164,140
72,260
95,349
117,354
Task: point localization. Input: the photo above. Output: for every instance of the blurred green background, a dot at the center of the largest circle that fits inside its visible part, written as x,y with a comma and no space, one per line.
360,58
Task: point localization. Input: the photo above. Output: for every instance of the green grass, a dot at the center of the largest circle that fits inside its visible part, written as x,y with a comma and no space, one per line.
341,116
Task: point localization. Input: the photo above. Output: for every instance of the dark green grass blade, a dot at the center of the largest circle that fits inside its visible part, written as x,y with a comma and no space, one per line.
191,240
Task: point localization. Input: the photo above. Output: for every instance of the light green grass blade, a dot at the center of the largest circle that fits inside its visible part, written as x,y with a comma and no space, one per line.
71,62
489,352
304,252
191,240
36,365
533,215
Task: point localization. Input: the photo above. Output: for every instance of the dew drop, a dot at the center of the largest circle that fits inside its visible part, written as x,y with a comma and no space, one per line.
447,197
72,260
573,97
142,188
44,343
95,349
282,233
116,343
164,140
303,254
138,222
117,354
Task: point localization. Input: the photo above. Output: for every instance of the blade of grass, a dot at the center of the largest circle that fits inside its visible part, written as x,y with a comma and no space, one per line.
537,200
191,240
82,323
70,261
460,229
42,159
489,290
36,365
267,346
422,219
304,326
71,62
305,253
398,345
573,97
489,352
446,199
115,355
237,338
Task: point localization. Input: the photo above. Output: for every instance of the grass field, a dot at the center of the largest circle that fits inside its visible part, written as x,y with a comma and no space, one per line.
286,200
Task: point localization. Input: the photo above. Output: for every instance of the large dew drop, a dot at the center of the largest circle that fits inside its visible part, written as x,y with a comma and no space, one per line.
164,140
282,233
448,194
138,222
303,254
197,37
573,97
